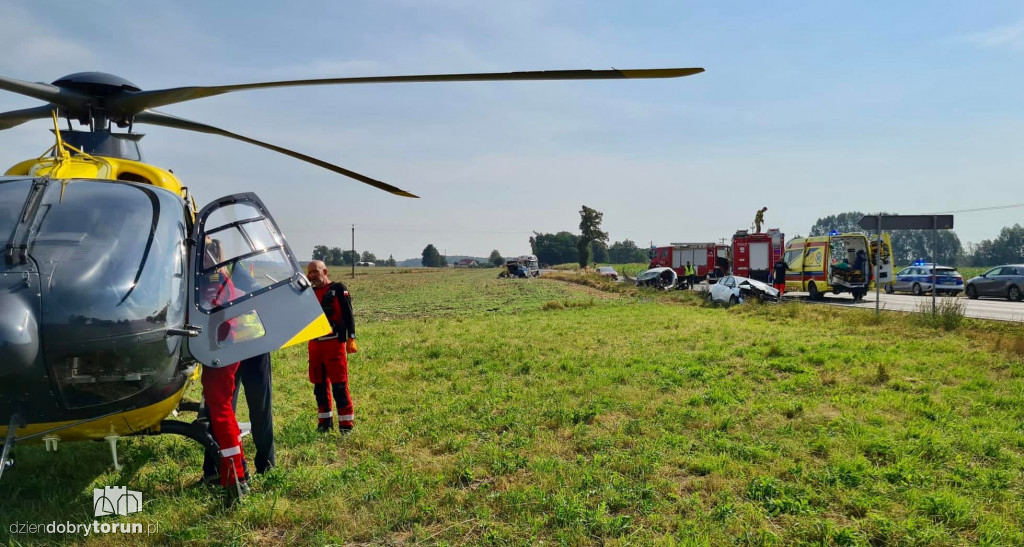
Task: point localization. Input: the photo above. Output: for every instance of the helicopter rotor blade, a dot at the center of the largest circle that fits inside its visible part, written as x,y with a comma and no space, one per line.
18,117
166,120
131,102
61,96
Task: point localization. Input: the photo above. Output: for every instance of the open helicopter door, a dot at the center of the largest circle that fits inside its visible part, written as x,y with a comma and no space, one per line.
247,294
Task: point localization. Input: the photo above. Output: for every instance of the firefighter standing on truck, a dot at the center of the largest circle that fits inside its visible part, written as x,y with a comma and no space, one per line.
759,219
328,355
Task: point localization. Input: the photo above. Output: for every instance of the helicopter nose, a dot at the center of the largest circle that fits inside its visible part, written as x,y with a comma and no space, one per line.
19,334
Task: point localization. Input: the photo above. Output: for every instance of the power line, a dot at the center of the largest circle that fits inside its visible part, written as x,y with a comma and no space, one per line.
993,208
371,228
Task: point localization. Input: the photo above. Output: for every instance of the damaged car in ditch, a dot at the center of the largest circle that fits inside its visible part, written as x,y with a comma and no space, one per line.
734,290
660,278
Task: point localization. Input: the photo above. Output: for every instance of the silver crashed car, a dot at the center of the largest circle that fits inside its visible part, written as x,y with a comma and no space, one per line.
734,289
661,278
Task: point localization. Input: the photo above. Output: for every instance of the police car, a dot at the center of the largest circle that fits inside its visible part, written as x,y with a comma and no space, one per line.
917,279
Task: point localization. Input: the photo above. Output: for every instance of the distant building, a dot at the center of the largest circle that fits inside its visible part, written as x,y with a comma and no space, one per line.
466,263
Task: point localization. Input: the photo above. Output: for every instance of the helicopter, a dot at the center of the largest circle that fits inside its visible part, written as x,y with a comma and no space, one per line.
102,328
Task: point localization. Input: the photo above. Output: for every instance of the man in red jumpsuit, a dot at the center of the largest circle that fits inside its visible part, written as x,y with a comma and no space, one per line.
215,290
328,359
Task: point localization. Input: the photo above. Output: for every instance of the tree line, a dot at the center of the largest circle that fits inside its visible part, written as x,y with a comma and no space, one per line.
911,245
590,245
335,256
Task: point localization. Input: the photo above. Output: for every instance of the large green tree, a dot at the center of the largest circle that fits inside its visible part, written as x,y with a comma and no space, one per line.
842,223
626,252
367,256
911,245
599,251
321,252
557,248
496,259
432,258
336,256
590,231
390,261
1008,247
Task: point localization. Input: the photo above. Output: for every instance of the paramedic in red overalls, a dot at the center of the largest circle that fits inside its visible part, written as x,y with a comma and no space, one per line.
328,359
216,289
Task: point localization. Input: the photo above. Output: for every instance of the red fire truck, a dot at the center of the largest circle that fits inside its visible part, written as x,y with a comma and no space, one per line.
703,256
754,255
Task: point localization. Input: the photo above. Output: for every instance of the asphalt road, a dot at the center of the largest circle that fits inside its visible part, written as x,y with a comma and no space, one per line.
983,308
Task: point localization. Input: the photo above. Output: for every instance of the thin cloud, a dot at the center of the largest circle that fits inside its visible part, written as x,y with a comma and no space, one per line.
1009,36
32,46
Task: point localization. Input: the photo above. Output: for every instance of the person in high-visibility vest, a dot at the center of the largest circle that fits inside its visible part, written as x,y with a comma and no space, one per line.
328,355
691,275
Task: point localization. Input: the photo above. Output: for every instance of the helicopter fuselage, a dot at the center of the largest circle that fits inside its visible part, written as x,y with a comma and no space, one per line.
103,321
94,277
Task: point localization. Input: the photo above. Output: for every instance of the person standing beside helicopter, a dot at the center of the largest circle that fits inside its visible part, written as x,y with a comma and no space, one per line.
254,377
217,289
328,355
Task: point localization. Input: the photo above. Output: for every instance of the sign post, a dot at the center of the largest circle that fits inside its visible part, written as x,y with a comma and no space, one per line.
878,267
907,222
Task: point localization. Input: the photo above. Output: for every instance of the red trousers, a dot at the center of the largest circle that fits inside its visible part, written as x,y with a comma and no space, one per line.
328,371
218,389
781,285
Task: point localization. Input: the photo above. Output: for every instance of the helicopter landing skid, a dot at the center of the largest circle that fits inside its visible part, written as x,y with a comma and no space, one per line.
6,458
112,439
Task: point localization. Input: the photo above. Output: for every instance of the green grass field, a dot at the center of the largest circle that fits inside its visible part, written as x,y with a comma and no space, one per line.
495,411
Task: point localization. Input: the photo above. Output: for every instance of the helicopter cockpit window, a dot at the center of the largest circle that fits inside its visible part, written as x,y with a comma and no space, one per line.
112,262
104,143
12,198
228,214
244,249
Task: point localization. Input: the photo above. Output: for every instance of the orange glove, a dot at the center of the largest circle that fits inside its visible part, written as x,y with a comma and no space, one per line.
350,346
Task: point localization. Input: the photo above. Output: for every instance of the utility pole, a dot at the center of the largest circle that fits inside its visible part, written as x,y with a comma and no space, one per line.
353,251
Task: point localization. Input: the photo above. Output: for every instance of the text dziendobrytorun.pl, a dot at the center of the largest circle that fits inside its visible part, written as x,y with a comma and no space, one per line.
85,529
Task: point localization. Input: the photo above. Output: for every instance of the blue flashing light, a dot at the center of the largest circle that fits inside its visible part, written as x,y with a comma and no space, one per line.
834,233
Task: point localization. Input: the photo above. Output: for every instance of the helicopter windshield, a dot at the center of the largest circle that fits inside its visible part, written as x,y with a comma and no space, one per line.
111,258
12,199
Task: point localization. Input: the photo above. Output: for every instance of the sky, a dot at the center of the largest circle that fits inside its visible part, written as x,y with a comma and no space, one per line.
808,108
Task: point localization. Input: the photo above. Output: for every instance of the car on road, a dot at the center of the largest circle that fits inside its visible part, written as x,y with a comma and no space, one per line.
1002,281
917,279
734,289
608,271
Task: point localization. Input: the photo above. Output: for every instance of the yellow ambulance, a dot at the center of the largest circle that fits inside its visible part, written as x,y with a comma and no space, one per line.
837,263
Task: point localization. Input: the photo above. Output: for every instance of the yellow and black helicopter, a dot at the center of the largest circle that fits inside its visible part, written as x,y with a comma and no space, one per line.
101,324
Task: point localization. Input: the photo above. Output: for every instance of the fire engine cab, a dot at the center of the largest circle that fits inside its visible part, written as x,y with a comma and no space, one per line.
702,256
754,255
